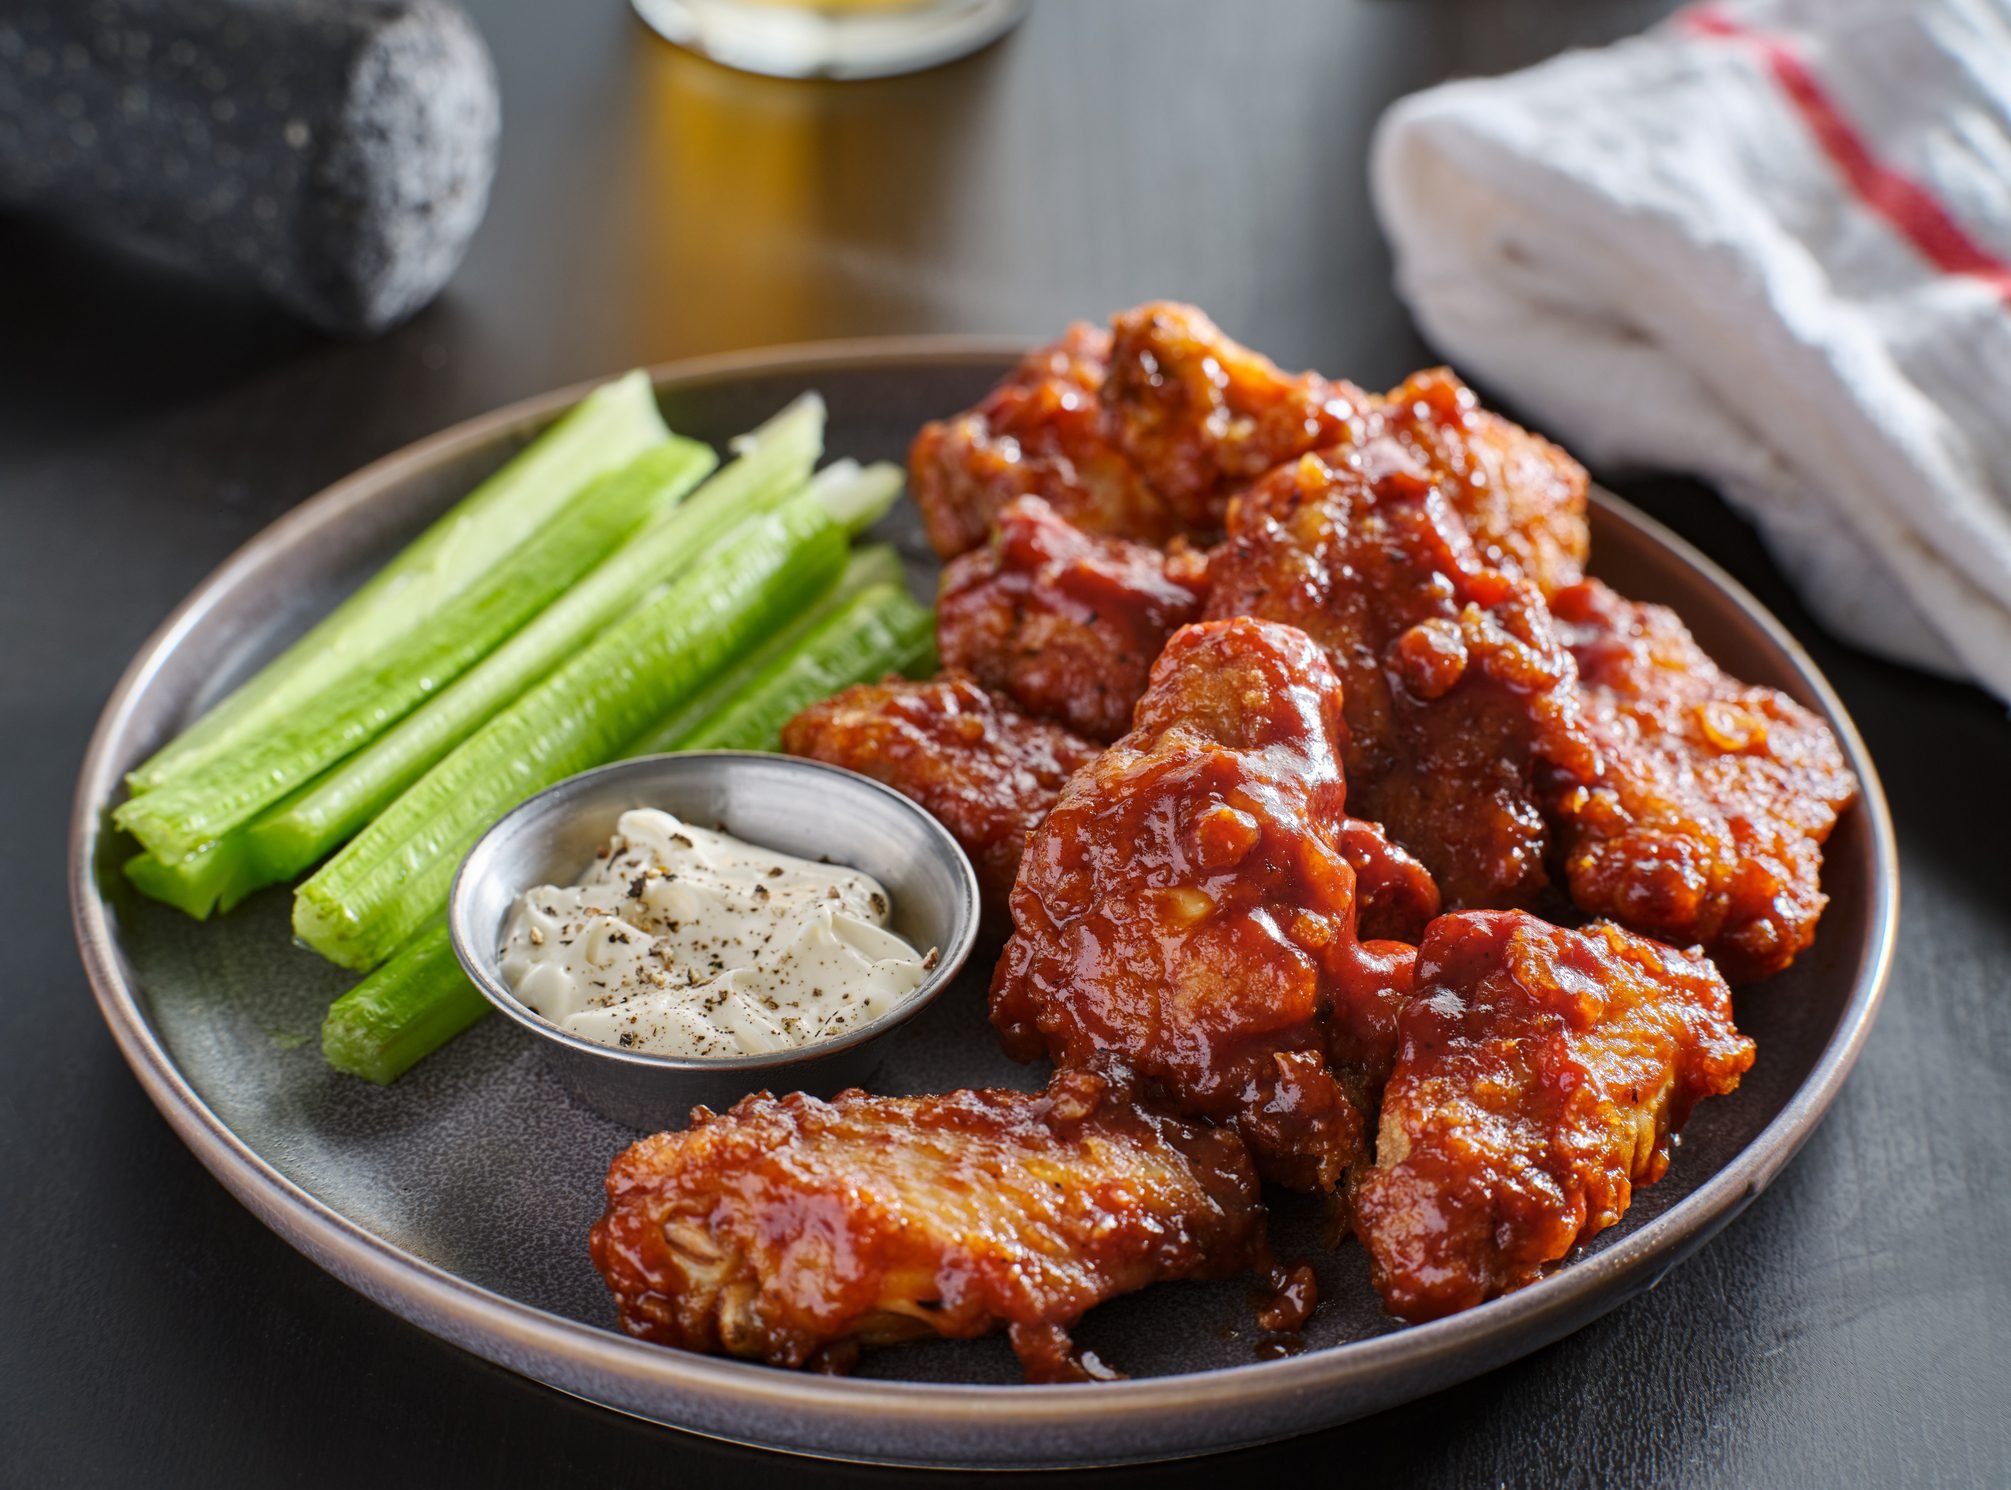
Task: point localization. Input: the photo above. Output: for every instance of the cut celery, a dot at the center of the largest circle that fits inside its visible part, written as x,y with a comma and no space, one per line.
605,430
297,832
870,564
858,496
194,809
403,1012
879,630
213,878
198,884
394,876
874,564
776,461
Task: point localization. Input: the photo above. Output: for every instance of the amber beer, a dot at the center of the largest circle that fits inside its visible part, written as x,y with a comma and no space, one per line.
831,38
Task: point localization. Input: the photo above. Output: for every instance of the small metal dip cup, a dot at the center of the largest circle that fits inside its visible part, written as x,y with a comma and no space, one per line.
794,806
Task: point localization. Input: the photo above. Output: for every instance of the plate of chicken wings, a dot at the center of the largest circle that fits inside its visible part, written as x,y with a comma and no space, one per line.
1424,901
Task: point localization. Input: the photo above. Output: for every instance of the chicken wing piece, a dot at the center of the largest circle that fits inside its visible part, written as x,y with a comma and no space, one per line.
1041,431
1539,1077
1185,912
1707,820
1064,622
984,770
1147,431
1521,498
787,1228
1201,416
1458,692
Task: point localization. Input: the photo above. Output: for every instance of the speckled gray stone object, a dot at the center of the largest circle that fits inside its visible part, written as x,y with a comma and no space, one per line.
337,153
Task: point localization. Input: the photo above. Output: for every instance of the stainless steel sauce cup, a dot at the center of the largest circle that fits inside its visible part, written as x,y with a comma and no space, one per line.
799,807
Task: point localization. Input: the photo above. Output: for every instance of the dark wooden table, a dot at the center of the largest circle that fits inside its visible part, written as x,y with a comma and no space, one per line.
1851,1328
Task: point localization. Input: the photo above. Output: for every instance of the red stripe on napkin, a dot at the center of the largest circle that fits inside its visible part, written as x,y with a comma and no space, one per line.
1910,207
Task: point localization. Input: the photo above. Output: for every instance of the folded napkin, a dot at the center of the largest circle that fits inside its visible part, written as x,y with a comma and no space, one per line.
1769,243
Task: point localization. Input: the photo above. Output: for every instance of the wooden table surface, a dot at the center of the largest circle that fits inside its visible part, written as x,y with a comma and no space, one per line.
1850,1329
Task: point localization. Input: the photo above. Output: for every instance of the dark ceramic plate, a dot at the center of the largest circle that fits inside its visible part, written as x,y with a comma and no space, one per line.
461,1197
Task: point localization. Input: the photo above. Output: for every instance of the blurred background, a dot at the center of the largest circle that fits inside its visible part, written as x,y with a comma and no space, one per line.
651,205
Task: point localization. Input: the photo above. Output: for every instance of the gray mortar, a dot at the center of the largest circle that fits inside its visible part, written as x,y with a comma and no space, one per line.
337,153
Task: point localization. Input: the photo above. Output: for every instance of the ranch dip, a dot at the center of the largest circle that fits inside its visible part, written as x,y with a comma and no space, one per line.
684,941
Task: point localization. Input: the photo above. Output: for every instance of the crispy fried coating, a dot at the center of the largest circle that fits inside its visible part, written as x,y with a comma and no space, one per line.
1539,1077
1147,431
984,770
1521,498
1066,623
1201,416
785,1228
1706,822
1457,689
1041,431
1186,912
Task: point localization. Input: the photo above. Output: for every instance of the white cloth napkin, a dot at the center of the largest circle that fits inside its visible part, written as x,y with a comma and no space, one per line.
1768,242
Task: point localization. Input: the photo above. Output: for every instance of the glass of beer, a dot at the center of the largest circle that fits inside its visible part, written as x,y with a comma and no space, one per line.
831,38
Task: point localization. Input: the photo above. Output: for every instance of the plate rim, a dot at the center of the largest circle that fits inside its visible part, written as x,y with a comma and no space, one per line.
520,1335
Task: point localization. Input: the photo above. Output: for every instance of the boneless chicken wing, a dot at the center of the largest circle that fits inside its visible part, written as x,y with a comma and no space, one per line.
1186,913
1521,498
1706,821
984,770
1458,692
1539,1076
1201,416
788,1227
1142,434
1043,432
1065,622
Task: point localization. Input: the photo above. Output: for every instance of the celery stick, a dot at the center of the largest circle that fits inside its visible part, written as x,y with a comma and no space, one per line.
870,564
873,565
213,878
854,495
298,832
196,885
605,430
394,876
259,853
191,810
403,1012
858,496
879,630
